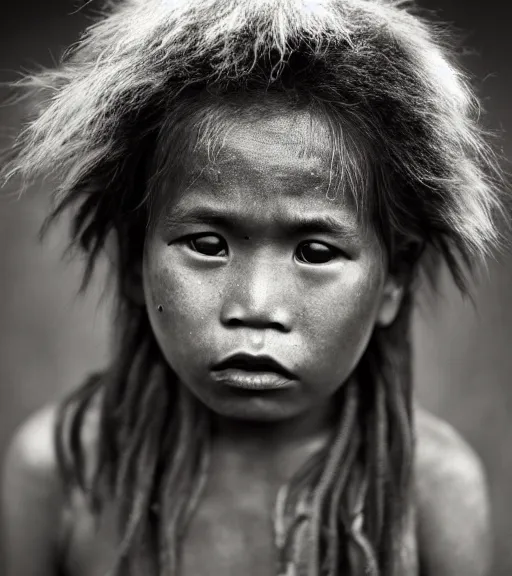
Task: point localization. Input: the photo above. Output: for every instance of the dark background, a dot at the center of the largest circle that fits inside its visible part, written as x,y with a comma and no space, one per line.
50,337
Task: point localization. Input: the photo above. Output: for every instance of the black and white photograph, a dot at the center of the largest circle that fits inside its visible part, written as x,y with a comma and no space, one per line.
255,288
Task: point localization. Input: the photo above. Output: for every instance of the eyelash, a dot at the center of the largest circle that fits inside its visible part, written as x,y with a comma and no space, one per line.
189,241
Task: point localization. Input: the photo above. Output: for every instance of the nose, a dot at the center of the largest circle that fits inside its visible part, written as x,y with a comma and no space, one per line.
257,297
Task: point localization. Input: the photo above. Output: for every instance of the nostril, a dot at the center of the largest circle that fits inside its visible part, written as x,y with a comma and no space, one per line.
235,315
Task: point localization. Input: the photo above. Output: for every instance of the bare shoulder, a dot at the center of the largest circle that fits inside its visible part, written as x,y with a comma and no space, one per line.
453,506
31,454
32,497
443,454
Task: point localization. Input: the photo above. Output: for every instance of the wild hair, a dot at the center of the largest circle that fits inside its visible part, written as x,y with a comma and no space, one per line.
406,143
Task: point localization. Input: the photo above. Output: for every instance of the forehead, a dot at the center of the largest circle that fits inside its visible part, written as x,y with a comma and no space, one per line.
287,144
266,156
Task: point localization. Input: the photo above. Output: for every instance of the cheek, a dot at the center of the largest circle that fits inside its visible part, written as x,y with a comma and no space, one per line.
341,318
188,305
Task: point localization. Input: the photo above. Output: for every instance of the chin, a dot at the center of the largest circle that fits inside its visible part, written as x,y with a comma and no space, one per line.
254,409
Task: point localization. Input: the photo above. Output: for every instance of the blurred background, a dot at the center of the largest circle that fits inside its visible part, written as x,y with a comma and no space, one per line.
50,337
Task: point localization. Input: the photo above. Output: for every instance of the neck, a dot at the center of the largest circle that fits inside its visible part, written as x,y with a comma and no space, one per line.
275,448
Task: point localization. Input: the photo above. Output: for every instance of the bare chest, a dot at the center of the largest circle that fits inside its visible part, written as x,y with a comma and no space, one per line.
230,534
230,538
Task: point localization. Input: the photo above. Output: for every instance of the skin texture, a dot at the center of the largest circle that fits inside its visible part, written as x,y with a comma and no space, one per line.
452,516
225,262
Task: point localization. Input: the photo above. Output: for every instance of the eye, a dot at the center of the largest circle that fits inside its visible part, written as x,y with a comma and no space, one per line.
208,244
316,253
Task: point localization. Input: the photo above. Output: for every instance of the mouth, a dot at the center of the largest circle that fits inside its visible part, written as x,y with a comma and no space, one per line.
253,373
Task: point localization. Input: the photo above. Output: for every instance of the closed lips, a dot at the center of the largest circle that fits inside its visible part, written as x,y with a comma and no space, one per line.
250,363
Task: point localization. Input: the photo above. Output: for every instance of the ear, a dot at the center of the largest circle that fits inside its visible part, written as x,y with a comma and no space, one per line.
391,299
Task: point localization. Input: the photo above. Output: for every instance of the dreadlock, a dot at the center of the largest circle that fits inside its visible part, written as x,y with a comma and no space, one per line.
425,176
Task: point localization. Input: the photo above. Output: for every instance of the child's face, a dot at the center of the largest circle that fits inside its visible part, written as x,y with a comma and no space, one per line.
252,258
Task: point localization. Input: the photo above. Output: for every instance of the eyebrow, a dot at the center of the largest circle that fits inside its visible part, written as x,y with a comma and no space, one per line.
298,224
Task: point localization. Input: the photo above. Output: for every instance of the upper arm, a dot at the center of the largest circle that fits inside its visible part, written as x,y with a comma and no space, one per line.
454,532
31,502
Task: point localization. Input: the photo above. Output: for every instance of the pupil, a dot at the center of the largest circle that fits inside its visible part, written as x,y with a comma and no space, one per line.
315,253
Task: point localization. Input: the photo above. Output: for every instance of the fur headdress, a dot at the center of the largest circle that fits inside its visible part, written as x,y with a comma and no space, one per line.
372,61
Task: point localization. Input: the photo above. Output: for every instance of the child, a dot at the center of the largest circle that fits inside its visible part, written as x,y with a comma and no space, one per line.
275,176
